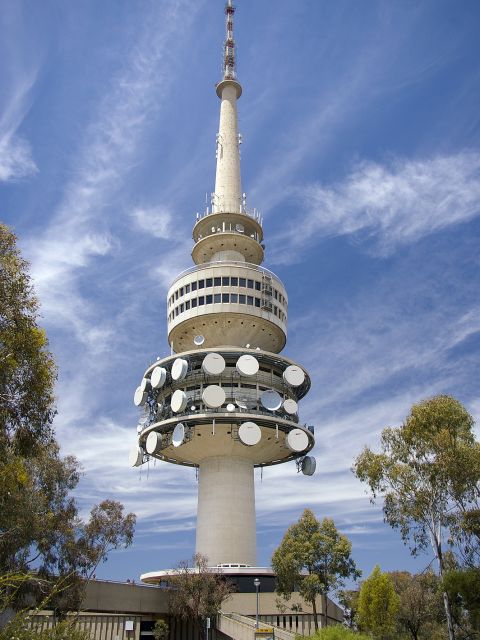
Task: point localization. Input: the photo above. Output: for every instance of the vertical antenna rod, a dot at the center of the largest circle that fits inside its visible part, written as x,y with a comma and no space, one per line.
229,71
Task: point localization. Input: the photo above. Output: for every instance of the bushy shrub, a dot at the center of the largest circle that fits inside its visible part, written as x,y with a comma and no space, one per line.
337,632
19,629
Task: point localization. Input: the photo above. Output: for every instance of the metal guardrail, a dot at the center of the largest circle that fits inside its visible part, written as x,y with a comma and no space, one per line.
247,627
229,263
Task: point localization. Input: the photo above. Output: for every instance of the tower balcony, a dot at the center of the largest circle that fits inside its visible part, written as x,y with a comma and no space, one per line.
228,303
222,234
212,431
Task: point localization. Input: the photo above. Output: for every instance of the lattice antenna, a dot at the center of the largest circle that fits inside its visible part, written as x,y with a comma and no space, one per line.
229,71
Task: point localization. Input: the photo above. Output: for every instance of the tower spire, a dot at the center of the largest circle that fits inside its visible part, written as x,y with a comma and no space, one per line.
228,184
229,70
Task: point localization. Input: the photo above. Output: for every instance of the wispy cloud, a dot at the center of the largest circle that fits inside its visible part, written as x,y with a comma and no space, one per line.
386,206
75,257
16,160
156,221
79,230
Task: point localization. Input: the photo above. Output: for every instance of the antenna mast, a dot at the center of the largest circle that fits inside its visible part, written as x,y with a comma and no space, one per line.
229,71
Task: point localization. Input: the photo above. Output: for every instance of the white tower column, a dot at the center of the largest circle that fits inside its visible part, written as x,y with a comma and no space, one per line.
228,187
226,511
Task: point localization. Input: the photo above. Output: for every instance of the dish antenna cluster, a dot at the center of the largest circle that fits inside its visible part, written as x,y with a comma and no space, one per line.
225,401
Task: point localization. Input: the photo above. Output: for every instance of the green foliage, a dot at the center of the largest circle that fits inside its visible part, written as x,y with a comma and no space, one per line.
197,592
421,609
418,470
39,523
27,370
378,605
37,511
160,630
348,600
463,586
107,529
428,473
19,629
318,549
337,632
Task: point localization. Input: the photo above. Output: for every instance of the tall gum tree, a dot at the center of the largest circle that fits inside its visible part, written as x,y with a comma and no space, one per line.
427,474
27,369
40,529
314,558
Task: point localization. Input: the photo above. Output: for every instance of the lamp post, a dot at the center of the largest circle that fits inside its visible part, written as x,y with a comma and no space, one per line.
256,582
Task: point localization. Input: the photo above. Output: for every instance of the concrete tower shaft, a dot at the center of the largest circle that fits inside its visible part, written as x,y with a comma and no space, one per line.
226,510
228,184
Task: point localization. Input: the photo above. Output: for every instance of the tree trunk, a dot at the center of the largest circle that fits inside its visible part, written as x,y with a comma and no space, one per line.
314,609
326,609
448,611
437,546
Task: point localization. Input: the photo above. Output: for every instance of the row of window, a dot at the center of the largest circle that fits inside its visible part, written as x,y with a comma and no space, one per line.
233,298
226,281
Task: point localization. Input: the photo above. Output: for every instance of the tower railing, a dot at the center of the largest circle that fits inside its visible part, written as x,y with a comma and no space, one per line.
226,263
242,209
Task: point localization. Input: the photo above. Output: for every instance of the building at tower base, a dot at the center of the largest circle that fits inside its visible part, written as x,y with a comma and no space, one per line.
128,611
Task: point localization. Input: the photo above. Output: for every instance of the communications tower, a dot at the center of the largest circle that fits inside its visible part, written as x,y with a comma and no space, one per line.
225,400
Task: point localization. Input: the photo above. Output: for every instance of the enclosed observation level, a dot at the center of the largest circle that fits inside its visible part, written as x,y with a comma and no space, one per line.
225,401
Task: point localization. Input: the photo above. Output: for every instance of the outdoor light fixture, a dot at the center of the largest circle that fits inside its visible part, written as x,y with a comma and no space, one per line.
256,582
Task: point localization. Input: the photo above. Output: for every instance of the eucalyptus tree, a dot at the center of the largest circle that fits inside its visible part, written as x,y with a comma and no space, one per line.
197,592
40,529
428,476
313,558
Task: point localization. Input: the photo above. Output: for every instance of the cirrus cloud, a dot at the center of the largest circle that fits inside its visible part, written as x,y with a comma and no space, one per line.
386,206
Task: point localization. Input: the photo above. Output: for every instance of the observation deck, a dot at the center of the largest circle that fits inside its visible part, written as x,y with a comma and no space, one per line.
223,234
229,303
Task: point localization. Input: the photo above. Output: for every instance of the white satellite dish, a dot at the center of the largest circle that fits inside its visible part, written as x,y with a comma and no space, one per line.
145,384
178,434
179,369
297,440
242,403
199,340
178,401
153,443
247,365
290,406
271,400
213,364
158,377
294,376
135,457
213,396
139,397
230,407
240,228
249,433
139,428
309,465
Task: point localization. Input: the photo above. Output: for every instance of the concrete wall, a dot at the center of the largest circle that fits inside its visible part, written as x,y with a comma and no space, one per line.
125,598
109,605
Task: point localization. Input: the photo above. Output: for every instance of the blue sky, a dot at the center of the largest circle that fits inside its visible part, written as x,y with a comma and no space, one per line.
361,150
